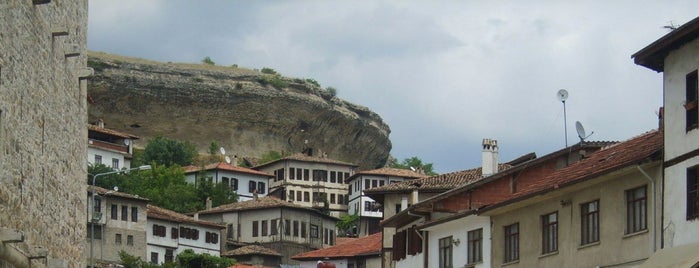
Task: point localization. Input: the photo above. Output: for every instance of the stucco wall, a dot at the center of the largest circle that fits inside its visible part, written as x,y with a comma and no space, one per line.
459,229
678,64
43,134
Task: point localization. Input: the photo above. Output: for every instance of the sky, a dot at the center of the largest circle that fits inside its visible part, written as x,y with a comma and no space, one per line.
442,74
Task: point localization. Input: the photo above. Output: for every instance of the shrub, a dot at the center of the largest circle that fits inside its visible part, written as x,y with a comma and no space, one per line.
313,81
266,70
332,91
208,61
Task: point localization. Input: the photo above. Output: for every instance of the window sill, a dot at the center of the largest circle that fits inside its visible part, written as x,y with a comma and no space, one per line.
588,245
472,264
510,263
548,254
635,234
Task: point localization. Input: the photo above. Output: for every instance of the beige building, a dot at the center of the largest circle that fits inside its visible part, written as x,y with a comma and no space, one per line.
311,181
120,225
43,112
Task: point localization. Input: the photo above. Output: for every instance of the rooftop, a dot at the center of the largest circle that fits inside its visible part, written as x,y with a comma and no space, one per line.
106,192
225,166
251,250
653,55
368,245
305,158
388,171
169,215
264,202
111,132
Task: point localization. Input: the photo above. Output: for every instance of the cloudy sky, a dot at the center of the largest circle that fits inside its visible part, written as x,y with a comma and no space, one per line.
442,74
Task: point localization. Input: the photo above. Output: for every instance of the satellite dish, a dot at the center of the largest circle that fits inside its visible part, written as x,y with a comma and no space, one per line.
228,160
581,131
222,150
126,142
116,188
562,95
412,168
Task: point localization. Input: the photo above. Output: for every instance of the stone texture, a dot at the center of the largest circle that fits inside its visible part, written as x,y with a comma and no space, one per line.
201,103
42,125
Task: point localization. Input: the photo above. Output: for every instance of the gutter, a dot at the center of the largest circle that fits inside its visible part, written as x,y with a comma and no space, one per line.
652,183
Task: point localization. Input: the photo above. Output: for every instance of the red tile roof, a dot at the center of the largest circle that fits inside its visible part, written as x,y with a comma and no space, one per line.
342,240
225,166
368,245
251,250
388,171
437,183
169,215
112,132
305,158
261,203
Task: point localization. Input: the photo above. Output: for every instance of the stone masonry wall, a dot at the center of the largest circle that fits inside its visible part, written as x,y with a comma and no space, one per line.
43,127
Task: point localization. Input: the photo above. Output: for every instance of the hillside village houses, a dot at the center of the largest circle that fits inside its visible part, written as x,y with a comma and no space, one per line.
169,233
360,252
369,211
109,147
243,181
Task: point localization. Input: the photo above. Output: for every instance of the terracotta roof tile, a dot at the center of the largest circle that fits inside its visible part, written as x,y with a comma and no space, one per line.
169,215
226,166
261,203
306,158
112,132
388,171
106,192
342,240
251,250
367,245
441,182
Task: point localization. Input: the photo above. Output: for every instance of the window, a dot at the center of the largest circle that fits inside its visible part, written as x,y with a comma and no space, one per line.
273,231
512,242
445,252
320,175
134,214
159,230
399,245
367,206
117,239
314,231
589,225
234,184
261,188
124,213
292,174
305,174
264,228
98,230
298,196
367,182
229,231
325,235
115,163
333,177
296,228
98,159
226,181
690,105
211,238
174,233
299,174
287,227
169,255
303,229
475,246
255,228
154,257
374,183
306,197
332,238
332,198
636,210
115,212
280,175
549,233
129,240
97,206
291,195
340,199
398,208
692,193
252,187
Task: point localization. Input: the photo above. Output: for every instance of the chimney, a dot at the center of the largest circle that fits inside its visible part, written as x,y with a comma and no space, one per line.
414,197
403,203
490,157
254,195
100,123
235,161
208,203
196,216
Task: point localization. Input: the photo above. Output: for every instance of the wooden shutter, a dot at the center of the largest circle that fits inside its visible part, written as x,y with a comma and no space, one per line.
399,245
414,241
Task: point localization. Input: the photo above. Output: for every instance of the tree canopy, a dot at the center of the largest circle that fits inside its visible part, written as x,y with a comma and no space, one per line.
416,163
169,152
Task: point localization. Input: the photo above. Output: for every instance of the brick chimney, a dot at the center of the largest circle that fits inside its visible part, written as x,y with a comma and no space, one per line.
490,157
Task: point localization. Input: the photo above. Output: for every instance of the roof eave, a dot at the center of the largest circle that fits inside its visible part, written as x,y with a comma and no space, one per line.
653,55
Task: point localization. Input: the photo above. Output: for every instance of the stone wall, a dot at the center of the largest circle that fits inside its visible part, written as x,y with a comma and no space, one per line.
43,129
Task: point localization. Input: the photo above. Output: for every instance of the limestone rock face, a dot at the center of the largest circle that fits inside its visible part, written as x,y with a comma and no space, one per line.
247,112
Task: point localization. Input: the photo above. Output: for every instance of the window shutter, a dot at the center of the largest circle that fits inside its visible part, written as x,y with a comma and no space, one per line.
414,241
399,245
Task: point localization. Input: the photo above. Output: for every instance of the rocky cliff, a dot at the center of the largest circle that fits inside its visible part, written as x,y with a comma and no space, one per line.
246,111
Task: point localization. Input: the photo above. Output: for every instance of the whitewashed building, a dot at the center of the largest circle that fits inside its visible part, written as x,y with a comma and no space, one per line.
169,233
244,181
109,147
364,252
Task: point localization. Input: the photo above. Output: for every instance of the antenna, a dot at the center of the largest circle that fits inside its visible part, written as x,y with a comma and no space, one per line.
228,159
562,97
581,131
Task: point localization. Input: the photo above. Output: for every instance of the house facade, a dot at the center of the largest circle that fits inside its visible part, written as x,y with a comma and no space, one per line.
109,147
369,211
169,233
676,55
311,181
119,226
286,227
364,252
243,181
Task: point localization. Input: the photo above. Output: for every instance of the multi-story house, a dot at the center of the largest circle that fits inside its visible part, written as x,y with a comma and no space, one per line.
286,227
244,181
364,252
169,233
676,55
369,211
119,224
314,182
533,215
109,147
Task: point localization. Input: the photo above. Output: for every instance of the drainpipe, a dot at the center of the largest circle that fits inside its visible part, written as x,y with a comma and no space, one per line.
652,186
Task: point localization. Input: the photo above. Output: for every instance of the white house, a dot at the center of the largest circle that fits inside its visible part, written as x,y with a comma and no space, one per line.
369,211
244,181
169,233
109,147
364,252
676,55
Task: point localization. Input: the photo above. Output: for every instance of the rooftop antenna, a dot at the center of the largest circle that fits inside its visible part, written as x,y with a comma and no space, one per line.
581,131
562,97
223,152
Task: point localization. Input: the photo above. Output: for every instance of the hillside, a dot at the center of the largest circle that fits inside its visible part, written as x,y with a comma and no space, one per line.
247,112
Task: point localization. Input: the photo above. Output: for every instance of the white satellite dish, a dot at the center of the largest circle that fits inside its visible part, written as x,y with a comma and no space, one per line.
562,95
222,150
116,188
412,168
228,159
126,142
581,131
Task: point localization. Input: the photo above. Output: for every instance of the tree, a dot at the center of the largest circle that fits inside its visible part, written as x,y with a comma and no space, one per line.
346,224
188,258
332,91
168,152
213,148
414,162
208,61
270,156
